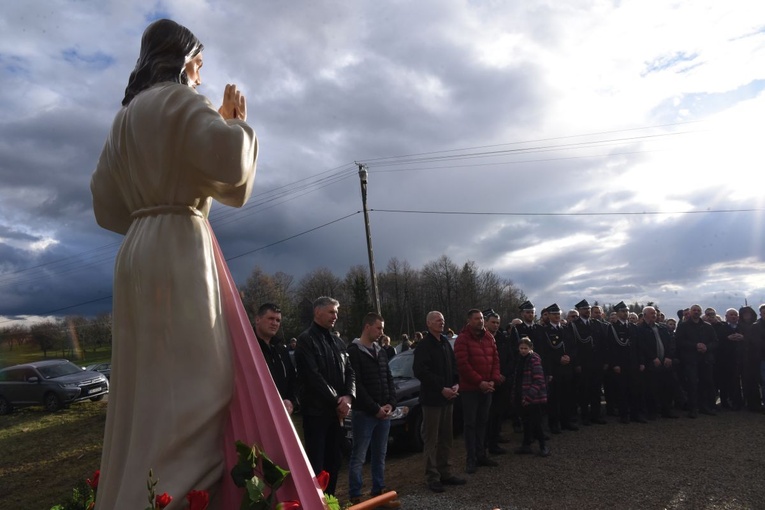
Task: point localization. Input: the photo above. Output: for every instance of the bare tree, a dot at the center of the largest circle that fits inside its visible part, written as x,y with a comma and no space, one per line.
357,288
440,283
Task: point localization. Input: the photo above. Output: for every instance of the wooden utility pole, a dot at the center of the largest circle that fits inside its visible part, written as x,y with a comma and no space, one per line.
372,272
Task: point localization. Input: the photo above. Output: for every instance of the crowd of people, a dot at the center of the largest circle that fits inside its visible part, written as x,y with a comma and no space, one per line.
643,366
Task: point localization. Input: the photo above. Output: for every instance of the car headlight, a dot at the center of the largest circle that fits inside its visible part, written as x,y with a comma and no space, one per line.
70,386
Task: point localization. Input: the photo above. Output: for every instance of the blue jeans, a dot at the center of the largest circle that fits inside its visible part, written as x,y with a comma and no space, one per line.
367,430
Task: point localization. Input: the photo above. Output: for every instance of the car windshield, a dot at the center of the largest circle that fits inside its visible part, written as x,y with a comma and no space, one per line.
53,371
401,366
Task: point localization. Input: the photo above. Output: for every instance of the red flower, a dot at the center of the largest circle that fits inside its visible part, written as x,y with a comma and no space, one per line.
198,500
323,479
94,482
163,500
289,505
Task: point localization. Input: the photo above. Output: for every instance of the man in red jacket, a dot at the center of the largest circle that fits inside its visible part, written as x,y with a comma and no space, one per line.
478,368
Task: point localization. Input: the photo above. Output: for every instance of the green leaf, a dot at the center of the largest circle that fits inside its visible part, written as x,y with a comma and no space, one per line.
254,499
273,474
246,463
332,502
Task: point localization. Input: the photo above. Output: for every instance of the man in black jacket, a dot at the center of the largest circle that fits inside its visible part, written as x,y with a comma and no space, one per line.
696,344
436,368
373,407
657,348
327,388
268,319
500,400
729,362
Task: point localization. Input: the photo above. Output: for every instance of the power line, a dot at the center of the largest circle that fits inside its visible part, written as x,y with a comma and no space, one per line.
302,187
628,213
517,162
539,140
294,236
51,312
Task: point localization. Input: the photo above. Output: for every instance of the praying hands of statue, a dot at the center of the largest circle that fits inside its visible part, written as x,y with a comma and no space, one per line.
565,359
234,104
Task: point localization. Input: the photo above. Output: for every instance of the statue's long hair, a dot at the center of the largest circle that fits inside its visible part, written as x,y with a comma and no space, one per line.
166,46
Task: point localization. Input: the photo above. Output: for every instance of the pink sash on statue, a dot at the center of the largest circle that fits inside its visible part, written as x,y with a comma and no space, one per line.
257,413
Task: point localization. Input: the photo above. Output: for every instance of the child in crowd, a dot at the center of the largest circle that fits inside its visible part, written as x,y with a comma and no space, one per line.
529,395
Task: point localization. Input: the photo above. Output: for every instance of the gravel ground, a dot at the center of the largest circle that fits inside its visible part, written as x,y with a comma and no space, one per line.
713,462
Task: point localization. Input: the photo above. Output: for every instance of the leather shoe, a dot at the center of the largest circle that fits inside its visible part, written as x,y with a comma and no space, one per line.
624,420
470,467
672,416
555,429
639,419
453,480
497,450
708,412
693,414
502,440
544,451
436,486
599,421
571,427
486,461
523,450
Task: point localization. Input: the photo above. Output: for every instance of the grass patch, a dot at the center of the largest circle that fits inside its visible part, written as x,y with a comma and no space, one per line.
46,454
29,352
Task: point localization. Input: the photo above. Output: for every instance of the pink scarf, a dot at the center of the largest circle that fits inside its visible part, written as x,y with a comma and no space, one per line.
257,413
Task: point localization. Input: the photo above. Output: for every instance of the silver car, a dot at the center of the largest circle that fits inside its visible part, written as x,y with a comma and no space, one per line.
51,383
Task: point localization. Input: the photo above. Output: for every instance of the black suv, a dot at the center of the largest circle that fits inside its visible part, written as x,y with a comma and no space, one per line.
52,384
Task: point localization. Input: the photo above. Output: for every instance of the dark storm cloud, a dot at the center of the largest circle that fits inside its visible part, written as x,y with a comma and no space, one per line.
331,83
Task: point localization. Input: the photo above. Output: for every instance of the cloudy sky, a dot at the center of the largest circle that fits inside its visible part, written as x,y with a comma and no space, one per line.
584,149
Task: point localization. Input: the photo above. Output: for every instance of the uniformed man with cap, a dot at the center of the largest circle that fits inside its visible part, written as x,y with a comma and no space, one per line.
558,359
528,328
590,364
623,362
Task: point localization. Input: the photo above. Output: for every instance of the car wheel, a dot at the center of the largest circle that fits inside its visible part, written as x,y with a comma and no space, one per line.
416,433
51,402
5,406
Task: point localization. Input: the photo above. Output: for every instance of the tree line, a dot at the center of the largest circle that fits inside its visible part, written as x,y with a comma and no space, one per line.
68,336
407,294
